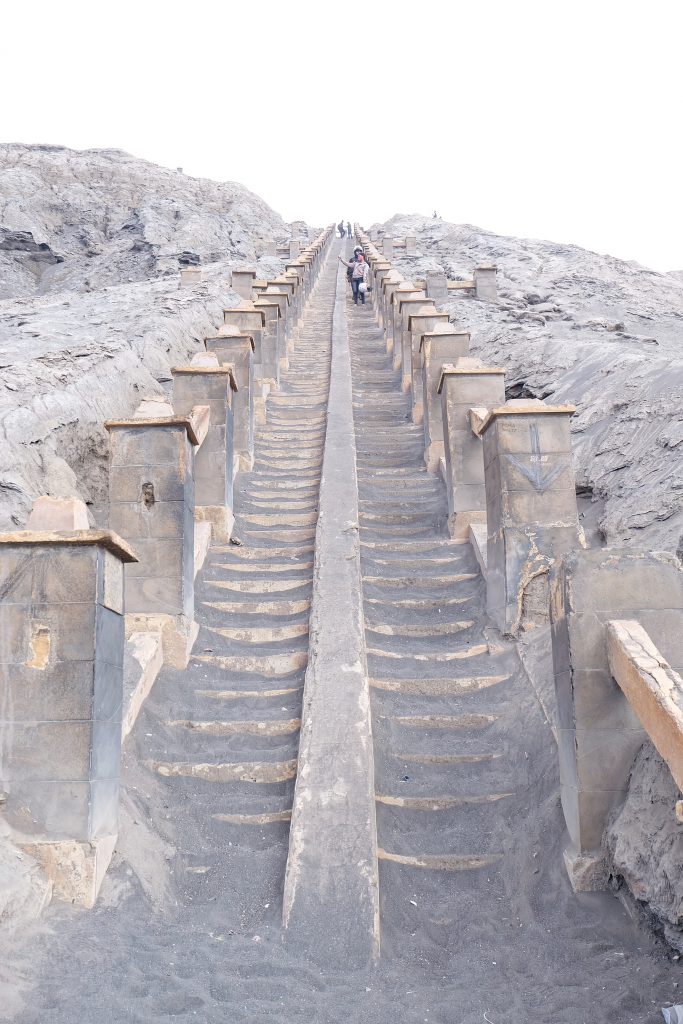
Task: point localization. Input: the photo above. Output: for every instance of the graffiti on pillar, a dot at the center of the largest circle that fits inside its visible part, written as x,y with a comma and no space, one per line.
539,478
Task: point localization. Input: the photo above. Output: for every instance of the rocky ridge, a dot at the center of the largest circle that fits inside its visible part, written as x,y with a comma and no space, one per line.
91,314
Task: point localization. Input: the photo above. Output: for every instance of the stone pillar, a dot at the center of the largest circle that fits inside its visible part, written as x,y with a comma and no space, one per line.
151,504
241,281
269,247
61,679
294,248
297,270
270,344
411,245
283,290
485,285
531,512
404,290
387,247
391,283
206,382
437,348
237,350
247,319
462,386
420,324
405,307
437,286
598,733
190,277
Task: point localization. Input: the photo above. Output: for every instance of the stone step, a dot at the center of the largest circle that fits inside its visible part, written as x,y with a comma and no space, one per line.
438,686
268,665
261,607
259,772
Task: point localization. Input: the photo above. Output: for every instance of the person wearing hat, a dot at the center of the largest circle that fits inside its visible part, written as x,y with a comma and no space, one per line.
360,274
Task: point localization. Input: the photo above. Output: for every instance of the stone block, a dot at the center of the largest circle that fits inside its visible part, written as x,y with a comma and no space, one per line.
58,514
238,351
485,284
61,677
241,281
603,730
531,508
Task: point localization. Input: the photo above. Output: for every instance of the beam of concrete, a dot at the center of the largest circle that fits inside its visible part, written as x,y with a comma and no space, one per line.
331,894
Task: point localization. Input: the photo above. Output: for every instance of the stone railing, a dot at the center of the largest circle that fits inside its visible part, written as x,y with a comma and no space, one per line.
79,604
614,617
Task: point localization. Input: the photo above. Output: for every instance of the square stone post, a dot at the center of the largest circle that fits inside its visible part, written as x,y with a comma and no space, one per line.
269,247
206,382
283,291
190,277
462,386
405,307
436,286
270,343
247,319
297,271
411,245
237,351
444,345
598,733
294,248
485,284
393,281
151,504
242,281
420,324
387,247
531,512
61,679
405,290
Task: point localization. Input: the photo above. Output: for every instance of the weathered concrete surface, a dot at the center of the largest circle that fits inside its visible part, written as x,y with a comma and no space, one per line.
331,898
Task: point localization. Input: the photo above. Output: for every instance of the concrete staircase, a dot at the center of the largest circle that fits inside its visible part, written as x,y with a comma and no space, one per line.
440,695
228,753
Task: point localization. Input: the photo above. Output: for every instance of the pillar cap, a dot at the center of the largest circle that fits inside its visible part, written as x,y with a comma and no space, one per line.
222,368
246,309
267,292
244,270
437,314
264,302
526,407
231,337
106,539
158,421
461,368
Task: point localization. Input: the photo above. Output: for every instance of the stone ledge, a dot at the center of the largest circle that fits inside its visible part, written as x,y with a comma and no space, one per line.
106,539
653,689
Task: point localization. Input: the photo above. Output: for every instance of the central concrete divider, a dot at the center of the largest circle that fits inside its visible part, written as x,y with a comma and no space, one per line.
331,894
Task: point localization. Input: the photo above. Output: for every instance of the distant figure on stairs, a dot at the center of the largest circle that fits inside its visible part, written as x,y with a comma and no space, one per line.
340,229
348,228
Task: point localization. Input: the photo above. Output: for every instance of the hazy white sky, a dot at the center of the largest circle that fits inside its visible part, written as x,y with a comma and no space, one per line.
545,119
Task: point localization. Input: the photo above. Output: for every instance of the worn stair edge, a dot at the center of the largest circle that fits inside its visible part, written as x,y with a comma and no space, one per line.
331,893
143,659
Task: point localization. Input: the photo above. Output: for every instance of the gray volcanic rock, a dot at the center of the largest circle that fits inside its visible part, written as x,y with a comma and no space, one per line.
89,251
82,219
595,331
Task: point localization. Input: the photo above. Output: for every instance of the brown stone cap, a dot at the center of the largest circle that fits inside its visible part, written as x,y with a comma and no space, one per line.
435,315
282,280
401,302
264,302
231,337
258,284
486,266
226,368
244,270
527,408
451,370
158,421
106,539
265,294
246,309
460,284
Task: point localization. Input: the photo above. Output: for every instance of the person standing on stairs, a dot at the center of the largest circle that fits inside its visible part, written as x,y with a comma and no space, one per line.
360,276
340,228
348,228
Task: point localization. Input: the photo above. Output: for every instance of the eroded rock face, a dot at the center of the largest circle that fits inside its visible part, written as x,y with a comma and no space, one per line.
600,333
79,220
91,314
645,842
